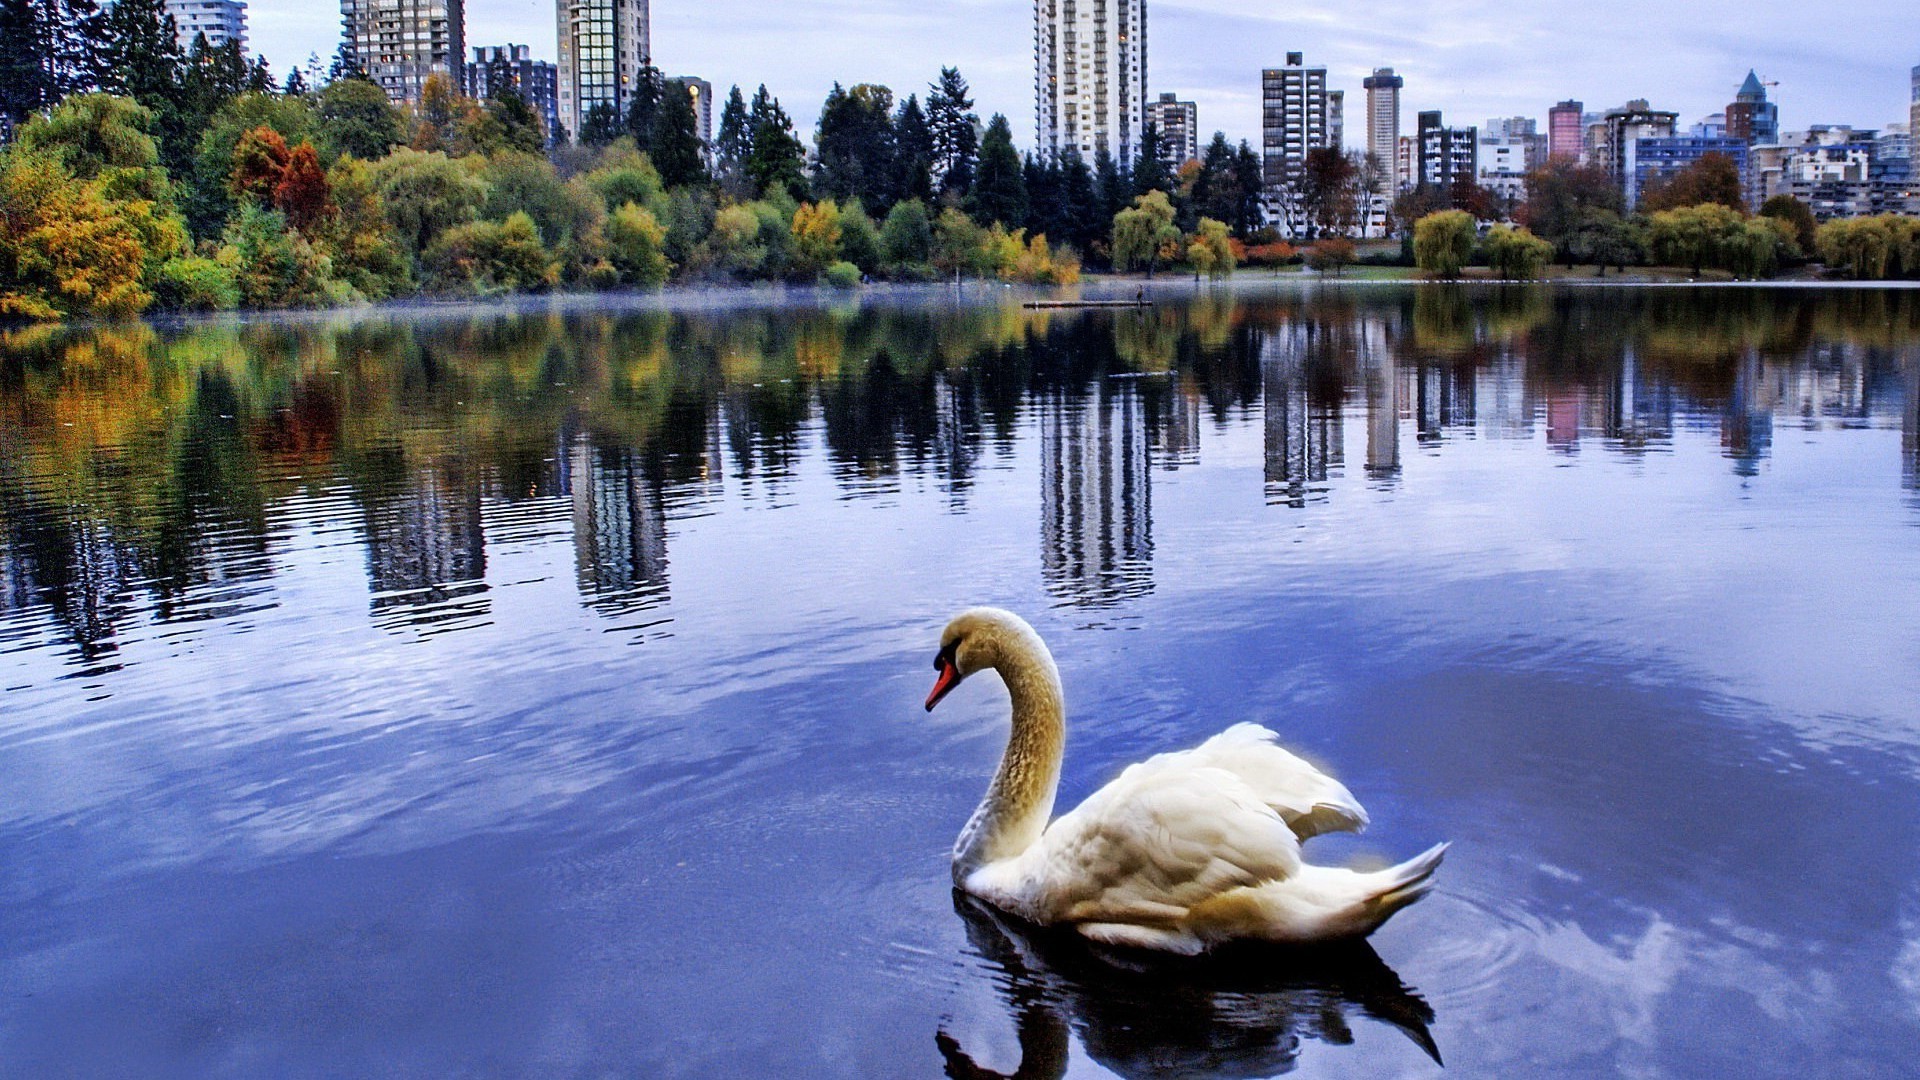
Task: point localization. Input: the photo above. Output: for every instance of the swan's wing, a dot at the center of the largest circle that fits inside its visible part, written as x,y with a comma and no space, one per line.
1309,800
1145,849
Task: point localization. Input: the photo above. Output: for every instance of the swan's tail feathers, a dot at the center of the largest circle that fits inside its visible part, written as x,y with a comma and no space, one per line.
1400,886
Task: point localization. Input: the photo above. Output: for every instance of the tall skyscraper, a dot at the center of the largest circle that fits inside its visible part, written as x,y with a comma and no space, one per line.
1177,123
220,20
1383,121
604,45
1752,117
403,43
1293,117
1090,76
1566,131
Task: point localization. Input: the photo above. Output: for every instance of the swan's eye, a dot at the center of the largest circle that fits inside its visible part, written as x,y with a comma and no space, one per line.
946,656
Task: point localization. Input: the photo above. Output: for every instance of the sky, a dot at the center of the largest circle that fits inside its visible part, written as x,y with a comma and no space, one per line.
1472,60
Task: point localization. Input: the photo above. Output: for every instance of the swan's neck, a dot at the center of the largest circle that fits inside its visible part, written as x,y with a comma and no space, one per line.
1020,801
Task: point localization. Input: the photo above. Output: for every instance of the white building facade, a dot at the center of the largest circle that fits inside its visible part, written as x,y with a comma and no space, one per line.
1383,122
604,45
220,20
1090,76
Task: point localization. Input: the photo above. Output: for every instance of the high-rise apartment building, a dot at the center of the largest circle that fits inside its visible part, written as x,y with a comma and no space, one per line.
220,20
1293,118
1090,76
1509,149
403,43
1337,119
604,46
1447,155
498,67
1618,147
1751,117
1383,121
1177,124
1913,111
1566,131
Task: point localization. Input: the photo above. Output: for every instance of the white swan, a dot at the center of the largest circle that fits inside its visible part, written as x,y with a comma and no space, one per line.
1183,852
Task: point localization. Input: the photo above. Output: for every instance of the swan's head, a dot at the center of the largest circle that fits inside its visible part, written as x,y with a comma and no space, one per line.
976,640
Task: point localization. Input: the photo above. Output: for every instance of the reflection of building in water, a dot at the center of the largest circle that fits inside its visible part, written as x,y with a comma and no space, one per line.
1831,386
426,547
619,529
1636,412
1176,424
1444,397
1910,428
1746,430
1096,495
956,435
1305,440
1387,398
1565,404
1505,406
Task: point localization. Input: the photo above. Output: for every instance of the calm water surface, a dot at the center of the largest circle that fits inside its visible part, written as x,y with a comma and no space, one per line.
536,691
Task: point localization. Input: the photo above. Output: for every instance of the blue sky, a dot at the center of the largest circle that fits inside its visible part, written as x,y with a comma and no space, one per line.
1474,60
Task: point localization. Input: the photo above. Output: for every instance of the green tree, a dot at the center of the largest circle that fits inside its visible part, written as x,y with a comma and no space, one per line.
600,126
1602,238
856,147
1798,217
777,161
521,128
1443,242
356,118
732,145
951,118
913,152
677,151
96,136
860,238
488,257
1141,231
643,106
1211,250
425,194
66,249
1149,171
1696,236
999,192
959,245
274,266
135,52
1516,254
906,239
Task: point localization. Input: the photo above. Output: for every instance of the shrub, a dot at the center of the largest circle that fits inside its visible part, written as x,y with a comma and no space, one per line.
637,244
1332,255
273,265
193,283
843,275
491,257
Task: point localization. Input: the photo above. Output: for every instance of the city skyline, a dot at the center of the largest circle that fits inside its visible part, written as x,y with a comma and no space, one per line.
1212,51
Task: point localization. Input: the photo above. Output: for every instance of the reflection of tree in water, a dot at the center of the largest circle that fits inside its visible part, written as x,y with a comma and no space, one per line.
619,529
1096,495
1910,428
1229,1016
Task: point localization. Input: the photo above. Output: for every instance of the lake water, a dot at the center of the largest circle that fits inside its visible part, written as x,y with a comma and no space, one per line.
536,691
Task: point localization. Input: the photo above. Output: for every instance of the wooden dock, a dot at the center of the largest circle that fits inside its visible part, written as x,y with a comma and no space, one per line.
1057,304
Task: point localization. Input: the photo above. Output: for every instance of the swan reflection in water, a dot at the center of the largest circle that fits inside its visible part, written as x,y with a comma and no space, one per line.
1238,1014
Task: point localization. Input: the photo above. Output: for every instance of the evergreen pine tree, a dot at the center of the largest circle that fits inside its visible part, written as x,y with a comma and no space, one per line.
913,152
644,111
260,77
601,125
732,144
1252,180
346,64
29,81
1112,187
1080,205
999,190
677,151
1149,172
777,161
296,82
955,144
857,147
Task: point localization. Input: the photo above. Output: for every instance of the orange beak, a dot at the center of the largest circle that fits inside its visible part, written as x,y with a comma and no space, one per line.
949,678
